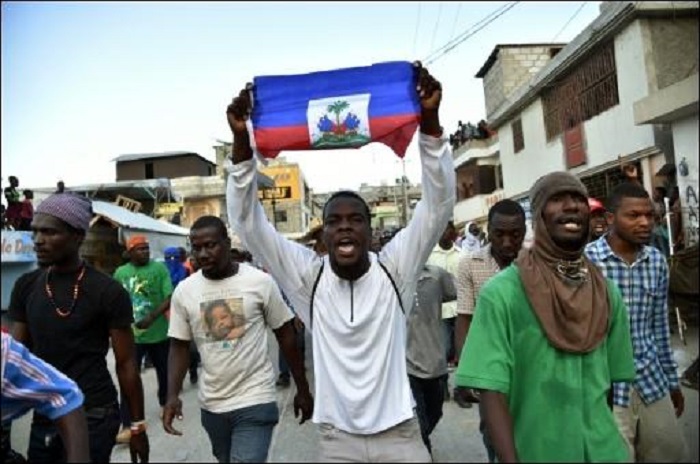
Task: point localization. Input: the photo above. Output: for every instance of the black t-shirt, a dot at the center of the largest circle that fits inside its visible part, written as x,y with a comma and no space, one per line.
76,345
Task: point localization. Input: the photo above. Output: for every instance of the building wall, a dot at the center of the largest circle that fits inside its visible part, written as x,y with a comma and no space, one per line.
475,208
608,135
674,48
685,138
513,67
297,221
166,167
493,87
194,208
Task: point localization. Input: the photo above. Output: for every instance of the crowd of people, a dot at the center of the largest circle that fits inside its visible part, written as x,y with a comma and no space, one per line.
468,131
18,213
564,346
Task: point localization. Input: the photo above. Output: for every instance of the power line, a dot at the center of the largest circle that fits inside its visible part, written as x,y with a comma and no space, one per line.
452,44
454,24
569,21
435,29
455,40
415,33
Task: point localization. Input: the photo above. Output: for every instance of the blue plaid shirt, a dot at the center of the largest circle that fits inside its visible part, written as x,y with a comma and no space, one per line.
644,288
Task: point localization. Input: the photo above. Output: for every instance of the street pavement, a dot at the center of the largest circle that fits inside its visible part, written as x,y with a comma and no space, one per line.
455,439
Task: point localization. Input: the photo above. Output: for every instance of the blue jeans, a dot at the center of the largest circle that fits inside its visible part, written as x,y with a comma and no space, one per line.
242,435
158,353
430,396
45,445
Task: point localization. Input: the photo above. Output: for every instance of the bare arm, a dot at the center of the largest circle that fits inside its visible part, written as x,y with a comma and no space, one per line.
147,321
461,330
73,430
20,332
130,385
127,372
287,341
178,363
499,424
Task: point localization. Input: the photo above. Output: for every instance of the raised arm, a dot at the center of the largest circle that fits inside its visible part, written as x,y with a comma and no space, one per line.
410,248
289,262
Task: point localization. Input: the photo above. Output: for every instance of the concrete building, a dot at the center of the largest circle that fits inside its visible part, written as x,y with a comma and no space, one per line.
479,180
168,165
479,176
677,104
577,112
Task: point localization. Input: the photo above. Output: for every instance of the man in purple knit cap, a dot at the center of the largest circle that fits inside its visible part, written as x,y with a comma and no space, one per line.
66,313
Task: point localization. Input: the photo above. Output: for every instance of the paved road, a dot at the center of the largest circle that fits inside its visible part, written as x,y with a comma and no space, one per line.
456,438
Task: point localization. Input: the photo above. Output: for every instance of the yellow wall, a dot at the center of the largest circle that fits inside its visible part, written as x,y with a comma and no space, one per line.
288,184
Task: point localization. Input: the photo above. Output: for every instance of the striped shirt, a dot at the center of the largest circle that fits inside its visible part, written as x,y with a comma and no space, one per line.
644,286
473,272
30,383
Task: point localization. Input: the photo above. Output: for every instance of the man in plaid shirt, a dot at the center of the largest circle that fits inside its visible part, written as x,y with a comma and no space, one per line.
646,410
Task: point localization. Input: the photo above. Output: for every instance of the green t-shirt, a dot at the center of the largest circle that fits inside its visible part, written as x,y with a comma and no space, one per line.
558,400
148,287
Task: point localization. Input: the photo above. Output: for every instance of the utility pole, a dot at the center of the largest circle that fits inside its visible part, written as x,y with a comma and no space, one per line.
404,193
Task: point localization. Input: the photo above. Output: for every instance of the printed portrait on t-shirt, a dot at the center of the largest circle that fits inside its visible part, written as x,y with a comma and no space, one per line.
224,319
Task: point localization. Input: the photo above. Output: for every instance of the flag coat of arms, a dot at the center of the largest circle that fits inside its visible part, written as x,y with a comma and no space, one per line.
344,108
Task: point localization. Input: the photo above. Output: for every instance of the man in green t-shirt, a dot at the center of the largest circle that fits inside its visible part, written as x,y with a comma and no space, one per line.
150,287
549,336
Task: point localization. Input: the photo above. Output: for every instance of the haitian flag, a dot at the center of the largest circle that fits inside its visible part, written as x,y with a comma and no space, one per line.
343,108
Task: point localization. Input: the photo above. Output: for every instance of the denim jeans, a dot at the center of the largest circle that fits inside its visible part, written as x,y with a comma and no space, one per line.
430,396
158,353
301,344
45,444
241,435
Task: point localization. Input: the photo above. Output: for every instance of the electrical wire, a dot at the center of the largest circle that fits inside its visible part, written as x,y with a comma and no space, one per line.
454,24
452,44
437,24
415,33
569,21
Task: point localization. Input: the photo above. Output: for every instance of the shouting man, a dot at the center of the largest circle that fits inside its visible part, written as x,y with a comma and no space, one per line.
354,301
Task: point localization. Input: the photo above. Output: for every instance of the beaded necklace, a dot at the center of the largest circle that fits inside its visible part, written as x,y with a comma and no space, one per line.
76,291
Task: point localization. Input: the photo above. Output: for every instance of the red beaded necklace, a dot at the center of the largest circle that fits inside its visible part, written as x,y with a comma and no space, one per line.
76,291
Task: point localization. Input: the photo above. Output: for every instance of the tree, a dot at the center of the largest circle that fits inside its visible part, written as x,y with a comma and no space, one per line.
338,108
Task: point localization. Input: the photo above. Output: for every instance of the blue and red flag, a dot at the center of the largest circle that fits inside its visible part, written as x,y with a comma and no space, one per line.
343,108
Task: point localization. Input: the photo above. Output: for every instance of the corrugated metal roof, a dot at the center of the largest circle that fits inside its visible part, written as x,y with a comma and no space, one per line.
165,154
129,219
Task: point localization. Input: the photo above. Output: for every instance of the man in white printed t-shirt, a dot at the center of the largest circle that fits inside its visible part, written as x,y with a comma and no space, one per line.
354,301
225,308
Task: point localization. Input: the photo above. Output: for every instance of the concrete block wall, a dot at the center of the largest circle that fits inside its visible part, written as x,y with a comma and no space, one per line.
521,64
514,67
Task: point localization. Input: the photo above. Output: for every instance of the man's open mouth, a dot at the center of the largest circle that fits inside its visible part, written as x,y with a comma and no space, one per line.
346,247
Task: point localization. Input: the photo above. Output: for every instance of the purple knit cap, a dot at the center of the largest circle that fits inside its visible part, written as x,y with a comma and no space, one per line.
74,210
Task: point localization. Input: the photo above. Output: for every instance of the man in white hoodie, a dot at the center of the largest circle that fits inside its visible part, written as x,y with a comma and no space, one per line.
354,301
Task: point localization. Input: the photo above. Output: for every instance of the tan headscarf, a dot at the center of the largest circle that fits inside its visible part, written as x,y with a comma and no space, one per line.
574,314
